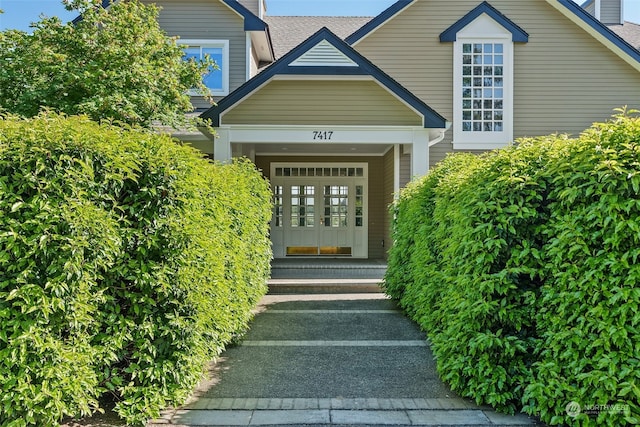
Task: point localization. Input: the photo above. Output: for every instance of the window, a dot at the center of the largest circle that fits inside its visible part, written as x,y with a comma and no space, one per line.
482,85
217,80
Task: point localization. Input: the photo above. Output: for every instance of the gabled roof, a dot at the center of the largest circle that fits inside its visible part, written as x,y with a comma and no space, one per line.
600,31
518,34
358,65
288,32
379,20
567,7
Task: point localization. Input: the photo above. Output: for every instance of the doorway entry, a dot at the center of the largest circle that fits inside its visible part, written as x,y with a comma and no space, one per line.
320,210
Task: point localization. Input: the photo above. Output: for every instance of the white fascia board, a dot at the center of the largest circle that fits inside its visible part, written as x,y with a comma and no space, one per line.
308,134
582,24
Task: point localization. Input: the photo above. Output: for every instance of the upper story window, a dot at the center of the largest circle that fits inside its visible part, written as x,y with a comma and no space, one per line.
483,87
483,92
217,80
483,78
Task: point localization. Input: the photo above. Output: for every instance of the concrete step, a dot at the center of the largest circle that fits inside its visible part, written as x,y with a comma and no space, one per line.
327,269
324,286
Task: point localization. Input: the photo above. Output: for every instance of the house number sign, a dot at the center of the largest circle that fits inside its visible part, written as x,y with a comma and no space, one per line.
322,135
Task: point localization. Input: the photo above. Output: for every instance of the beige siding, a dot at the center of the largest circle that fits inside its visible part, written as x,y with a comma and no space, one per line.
207,19
591,8
438,152
564,79
322,102
377,203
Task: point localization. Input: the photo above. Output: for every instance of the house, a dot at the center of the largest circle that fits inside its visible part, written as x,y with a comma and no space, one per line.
340,113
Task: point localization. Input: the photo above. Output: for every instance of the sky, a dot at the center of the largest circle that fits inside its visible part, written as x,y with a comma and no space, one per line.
20,13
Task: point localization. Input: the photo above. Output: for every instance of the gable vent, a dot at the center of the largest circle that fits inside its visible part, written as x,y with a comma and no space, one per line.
323,54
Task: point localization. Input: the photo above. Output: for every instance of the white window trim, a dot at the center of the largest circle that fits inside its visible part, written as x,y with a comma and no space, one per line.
224,44
483,140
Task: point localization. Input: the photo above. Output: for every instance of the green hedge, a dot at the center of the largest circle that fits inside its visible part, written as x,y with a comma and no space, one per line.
127,262
521,265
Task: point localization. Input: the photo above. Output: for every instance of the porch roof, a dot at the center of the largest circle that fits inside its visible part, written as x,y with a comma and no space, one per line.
354,64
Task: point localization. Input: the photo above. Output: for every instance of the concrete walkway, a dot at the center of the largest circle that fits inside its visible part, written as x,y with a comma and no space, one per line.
330,359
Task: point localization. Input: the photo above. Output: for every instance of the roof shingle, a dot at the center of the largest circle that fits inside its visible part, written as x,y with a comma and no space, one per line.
288,32
629,31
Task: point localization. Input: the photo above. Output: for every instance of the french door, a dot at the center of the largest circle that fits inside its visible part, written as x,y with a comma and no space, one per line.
319,210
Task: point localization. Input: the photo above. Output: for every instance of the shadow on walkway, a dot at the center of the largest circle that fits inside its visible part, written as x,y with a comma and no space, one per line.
330,359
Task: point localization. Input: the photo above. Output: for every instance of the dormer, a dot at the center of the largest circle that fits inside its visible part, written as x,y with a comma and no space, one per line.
609,12
483,74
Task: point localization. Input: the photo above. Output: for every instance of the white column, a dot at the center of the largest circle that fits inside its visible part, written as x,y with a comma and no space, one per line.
396,169
222,145
420,153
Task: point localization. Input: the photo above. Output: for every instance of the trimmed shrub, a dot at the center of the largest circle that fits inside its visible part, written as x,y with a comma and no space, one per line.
521,265
410,272
477,270
127,262
589,312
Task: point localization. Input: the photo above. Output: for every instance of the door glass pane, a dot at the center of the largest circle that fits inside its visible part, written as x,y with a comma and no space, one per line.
359,206
336,201
302,206
277,205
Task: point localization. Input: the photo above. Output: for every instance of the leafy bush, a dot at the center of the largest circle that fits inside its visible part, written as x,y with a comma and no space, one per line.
412,272
127,262
476,270
589,317
517,263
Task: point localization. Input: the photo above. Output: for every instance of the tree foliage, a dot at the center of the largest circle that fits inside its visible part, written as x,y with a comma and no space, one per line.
115,64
